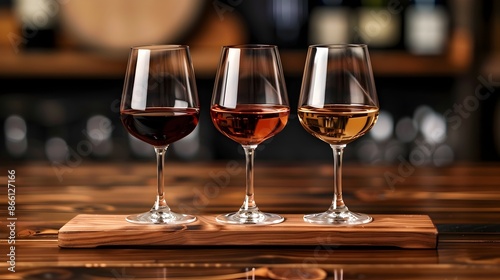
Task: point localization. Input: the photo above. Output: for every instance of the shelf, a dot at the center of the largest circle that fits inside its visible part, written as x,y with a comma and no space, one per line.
63,64
85,64
391,63
71,61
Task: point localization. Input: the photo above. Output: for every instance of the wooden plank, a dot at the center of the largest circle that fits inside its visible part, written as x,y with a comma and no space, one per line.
405,231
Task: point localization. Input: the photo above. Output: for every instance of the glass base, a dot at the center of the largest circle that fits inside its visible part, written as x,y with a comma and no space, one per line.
338,218
160,217
249,218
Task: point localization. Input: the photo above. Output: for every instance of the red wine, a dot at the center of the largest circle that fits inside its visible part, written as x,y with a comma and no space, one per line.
250,124
160,126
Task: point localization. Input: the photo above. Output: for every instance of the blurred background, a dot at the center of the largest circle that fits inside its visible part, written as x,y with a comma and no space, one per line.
436,64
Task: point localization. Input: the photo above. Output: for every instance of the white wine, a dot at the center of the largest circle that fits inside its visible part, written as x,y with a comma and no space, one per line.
338,124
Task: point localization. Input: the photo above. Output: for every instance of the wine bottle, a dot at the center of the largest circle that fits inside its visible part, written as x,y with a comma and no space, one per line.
277,22
427,23
38,19
379,23
330,22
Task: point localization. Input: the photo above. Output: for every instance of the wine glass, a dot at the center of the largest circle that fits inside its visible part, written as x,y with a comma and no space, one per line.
338,103
249,105
159,106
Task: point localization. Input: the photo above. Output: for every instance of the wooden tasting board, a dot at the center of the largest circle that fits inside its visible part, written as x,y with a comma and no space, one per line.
405,231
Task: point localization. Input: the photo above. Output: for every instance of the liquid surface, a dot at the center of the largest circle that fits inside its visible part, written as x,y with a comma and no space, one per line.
250,124
160,126
338,124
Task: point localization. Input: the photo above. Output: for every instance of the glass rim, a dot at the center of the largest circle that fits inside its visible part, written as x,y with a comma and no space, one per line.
339,46
250,46
160,47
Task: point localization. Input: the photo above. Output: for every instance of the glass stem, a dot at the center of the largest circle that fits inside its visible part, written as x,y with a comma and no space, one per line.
337,203
160,202
249,203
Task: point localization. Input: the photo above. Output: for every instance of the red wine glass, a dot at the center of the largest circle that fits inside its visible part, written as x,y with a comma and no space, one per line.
159,106
338,103
249,105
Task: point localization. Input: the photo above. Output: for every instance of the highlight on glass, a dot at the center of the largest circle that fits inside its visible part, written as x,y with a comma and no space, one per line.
159,106
338,104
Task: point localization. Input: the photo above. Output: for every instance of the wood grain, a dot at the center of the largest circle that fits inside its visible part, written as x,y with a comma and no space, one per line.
405,231
462,201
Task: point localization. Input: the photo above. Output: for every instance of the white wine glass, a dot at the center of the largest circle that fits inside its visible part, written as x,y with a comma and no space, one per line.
159,106
338,104
249,105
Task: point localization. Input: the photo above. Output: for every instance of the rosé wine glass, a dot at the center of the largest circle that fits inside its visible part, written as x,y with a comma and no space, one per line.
249,105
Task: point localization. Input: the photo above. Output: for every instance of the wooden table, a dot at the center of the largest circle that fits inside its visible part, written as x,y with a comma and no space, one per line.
463,201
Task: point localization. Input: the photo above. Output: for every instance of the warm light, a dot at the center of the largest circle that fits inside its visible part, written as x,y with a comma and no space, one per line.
406,130
140,148
15,135
188,147
433,128
443,155
368,152
99,129
56,149
384,127
15,128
